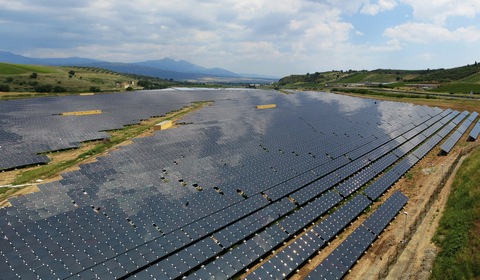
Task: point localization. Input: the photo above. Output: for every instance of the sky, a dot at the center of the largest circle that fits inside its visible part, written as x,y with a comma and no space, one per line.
270,37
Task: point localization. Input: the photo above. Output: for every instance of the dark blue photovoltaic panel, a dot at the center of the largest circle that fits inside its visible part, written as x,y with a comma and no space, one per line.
304,247
475,131
337,264
208,198
453,139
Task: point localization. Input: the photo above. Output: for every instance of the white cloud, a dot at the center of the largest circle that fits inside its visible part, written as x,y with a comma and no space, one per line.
380,6
276,36
439,11
428,32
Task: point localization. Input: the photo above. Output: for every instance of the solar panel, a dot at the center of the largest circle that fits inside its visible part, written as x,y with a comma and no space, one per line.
231,172
353,247
475,131
453,139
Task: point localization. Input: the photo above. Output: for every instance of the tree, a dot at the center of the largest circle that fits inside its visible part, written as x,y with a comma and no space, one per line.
94,89
5,88
44,88
33,75
59,89
71,73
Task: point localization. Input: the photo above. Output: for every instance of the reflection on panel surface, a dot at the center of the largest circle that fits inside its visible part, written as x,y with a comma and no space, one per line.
208,198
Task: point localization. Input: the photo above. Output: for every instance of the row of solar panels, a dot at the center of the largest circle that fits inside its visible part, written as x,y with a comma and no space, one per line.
453,139
161,225
212,268
337,264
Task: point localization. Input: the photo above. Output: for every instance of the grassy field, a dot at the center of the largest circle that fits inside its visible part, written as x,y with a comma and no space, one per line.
15,69
458,80
54,80
458,235
459,88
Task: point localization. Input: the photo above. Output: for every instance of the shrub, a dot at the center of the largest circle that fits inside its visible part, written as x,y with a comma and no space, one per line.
5,88
59,89
44,88
95,89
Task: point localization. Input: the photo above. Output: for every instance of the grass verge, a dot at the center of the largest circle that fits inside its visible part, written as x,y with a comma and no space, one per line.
458,235
117,137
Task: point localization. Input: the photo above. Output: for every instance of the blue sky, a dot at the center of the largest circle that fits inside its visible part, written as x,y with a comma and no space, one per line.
274,37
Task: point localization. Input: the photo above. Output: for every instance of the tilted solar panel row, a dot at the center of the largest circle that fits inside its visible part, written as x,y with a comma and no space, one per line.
377,222
475,131
310,212
472,117
450,116
283,190
290,258
458,119
18,160
280,267
466,124
338,263
378,187
453,139
353,183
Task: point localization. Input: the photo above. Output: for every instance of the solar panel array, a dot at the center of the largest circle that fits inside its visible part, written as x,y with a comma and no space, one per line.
213,197
337,264
453,139
34,126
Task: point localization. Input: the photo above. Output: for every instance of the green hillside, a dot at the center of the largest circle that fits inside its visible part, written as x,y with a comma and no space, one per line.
15,69
462,79
17,79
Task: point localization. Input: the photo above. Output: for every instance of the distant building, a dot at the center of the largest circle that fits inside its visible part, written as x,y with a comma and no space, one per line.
423,86
125,85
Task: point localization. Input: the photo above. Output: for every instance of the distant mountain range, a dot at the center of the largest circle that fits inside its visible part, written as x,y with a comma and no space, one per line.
166,68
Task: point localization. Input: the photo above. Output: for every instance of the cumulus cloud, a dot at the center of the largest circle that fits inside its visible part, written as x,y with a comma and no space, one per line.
380,6
439,11
427,32
277,36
